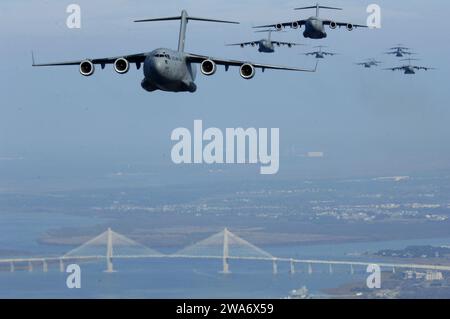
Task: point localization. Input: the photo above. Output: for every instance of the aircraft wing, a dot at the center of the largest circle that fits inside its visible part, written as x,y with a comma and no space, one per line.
399,48
300,23
244,43
133,58
423,68
395,69
344,24
328,53
289,44
195,58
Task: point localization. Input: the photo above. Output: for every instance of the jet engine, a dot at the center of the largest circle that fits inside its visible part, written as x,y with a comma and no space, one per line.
278,44
247,71
294,25
333,25
208,67
87,68
279,26
121,65
350,27
253,44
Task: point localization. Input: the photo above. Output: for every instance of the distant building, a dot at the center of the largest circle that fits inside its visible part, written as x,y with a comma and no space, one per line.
428,276
434,276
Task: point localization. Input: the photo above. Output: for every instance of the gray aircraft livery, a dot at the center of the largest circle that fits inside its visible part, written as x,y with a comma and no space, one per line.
399,51
314,26
369,63
170,70
266,45
320,54
410,68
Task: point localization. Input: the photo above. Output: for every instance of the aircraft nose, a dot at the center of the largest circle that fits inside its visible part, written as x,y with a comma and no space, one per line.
156,66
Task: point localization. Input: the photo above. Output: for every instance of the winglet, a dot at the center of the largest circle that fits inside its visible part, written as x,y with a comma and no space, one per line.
32,59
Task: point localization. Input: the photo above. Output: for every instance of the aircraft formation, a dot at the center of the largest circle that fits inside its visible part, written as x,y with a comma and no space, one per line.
175,70
399,52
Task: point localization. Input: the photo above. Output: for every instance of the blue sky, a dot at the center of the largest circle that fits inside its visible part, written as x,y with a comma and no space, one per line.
57,124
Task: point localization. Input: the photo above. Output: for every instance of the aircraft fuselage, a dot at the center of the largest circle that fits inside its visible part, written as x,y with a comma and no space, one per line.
167,70
266,46
320,55
409,70
314,29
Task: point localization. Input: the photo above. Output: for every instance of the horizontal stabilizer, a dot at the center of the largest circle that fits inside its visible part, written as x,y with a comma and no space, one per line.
187,18
184,18
320,7
212,20
159,19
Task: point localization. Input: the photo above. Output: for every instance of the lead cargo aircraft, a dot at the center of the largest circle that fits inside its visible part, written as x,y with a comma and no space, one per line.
170,70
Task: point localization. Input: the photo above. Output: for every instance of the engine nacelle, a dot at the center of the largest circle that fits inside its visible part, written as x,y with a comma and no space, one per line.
247,71
294,25
121,65
333,25
253,44
87,68
208,67
350,27
279,27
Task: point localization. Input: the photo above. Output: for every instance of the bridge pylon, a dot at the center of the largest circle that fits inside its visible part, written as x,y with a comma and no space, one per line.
224,246
107,246
226,252
109,252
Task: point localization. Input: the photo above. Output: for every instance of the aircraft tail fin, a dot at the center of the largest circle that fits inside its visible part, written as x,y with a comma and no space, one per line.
318,7
184,17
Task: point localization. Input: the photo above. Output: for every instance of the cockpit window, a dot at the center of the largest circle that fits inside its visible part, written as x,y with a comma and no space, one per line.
159,55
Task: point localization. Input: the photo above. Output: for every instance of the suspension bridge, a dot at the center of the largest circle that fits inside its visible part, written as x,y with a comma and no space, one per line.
224,246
